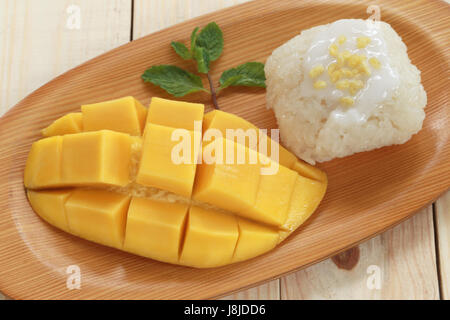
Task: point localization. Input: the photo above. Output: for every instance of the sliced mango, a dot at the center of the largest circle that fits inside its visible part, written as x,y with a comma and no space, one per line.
309,171
50,205
114,176
306,197
273,196
70,123
254,240
223,121
98,215
161,166
96,158
175,114
210,238
285,157
229,186
123,115
155,229
43,167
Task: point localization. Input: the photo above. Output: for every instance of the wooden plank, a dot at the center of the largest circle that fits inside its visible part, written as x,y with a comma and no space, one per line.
398,264
442,211
42,39
266,291
154,15
400,260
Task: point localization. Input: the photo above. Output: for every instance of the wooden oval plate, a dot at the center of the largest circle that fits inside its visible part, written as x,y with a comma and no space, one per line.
368,192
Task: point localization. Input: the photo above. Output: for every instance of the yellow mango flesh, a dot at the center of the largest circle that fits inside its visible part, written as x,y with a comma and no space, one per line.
155,229
309,171
222,121
210,239
98,215
50,206
70,123
175,114
242,189
305,198
273,196
136,186
254,240
229,186
285,157
157,166
125,115
99,157
43,167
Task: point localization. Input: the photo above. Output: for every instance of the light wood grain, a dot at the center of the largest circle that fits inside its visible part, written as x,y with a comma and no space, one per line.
154,15
404,258
266,291
364,206
442,207
36,45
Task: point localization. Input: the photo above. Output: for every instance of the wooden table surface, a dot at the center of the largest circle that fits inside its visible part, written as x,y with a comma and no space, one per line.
41,39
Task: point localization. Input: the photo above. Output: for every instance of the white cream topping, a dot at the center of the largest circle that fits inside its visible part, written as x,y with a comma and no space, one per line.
378,86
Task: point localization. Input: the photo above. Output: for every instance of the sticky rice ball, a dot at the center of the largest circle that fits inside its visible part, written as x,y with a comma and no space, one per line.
343,88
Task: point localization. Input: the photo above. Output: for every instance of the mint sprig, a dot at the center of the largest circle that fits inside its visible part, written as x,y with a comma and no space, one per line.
206,46
250,74
181,50
193,39
211,39
202,58
174,80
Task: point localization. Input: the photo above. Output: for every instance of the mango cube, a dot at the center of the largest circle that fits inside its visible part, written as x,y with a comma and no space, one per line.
96,158
210,238
254,240
43,167
155,229
305,198
223,121
309,171
125,115
285,157
175,114
229,186
273,197
49,205
161,166
98,215
70,123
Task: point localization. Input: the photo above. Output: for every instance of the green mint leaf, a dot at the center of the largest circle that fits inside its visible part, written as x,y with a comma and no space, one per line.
202,58
174,80
181,50
250,74
193,39
211,39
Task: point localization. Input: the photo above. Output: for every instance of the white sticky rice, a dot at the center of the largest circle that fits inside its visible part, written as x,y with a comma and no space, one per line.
306,125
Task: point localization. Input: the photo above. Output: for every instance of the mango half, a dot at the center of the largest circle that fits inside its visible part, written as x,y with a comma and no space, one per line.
108,174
